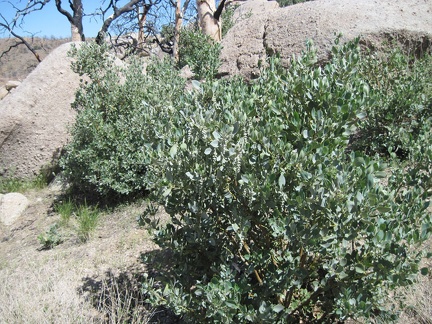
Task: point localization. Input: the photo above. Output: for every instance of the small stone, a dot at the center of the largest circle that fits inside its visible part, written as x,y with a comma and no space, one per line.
12,205
12,85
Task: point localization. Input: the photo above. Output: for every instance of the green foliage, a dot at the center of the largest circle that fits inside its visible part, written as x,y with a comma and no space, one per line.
117,108
13,184
10,185
228,18
286,3
272,221
200,52
87,217
276,213
401,101
84,217
50,238
66,210
167,31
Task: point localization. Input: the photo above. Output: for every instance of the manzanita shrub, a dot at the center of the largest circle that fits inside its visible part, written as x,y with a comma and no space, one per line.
117,104
200,52
274,218
401,100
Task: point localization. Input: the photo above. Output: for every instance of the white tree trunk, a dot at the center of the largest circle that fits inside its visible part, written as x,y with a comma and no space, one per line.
178,25
142,17
76,36
208,24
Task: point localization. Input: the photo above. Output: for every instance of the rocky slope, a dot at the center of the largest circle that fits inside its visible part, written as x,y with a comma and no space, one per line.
266,29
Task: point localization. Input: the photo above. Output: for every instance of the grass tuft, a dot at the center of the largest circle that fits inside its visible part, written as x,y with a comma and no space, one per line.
65,209
87,217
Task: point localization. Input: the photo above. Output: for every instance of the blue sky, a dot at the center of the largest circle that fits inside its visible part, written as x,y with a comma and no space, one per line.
49,22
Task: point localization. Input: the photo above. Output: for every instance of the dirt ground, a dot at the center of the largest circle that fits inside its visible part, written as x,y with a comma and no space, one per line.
74,282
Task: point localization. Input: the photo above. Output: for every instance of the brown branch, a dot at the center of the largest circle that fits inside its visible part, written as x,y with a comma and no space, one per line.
22,40
63,11
130,6
29,8
219,9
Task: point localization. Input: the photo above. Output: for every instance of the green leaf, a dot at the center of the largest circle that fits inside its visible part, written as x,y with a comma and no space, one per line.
361,115
208,151
380,174
166,192
278,308
359,268
235,227
236,128
173,150
281,181
380,235
197,85
215,143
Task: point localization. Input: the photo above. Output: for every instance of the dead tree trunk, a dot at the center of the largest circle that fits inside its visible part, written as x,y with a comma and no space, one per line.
178,25
209,18
142,17
75,19
75,34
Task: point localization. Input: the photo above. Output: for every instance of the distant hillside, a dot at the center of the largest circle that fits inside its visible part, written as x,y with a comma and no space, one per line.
19,61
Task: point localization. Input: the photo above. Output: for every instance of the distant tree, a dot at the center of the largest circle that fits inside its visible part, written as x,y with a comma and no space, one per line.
74,11
133,6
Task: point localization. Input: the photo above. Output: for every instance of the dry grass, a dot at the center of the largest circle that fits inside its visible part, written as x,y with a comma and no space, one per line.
418,297
418,301
93,282
35,291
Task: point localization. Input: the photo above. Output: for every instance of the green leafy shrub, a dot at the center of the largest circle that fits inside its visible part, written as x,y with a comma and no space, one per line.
402,93
11,185
117,108
272,221
200,52
228,18
50,238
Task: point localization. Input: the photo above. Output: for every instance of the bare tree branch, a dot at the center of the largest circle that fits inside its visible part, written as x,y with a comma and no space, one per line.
130,6
6,26
219,9
33,5
63,11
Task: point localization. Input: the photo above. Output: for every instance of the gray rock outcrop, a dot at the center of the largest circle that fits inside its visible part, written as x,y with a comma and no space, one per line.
265,29
34,118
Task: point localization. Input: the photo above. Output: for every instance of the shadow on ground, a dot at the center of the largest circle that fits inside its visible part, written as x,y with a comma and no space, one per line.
118,297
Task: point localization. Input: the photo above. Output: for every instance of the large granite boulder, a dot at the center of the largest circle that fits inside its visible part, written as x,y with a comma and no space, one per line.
264,29
34,118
